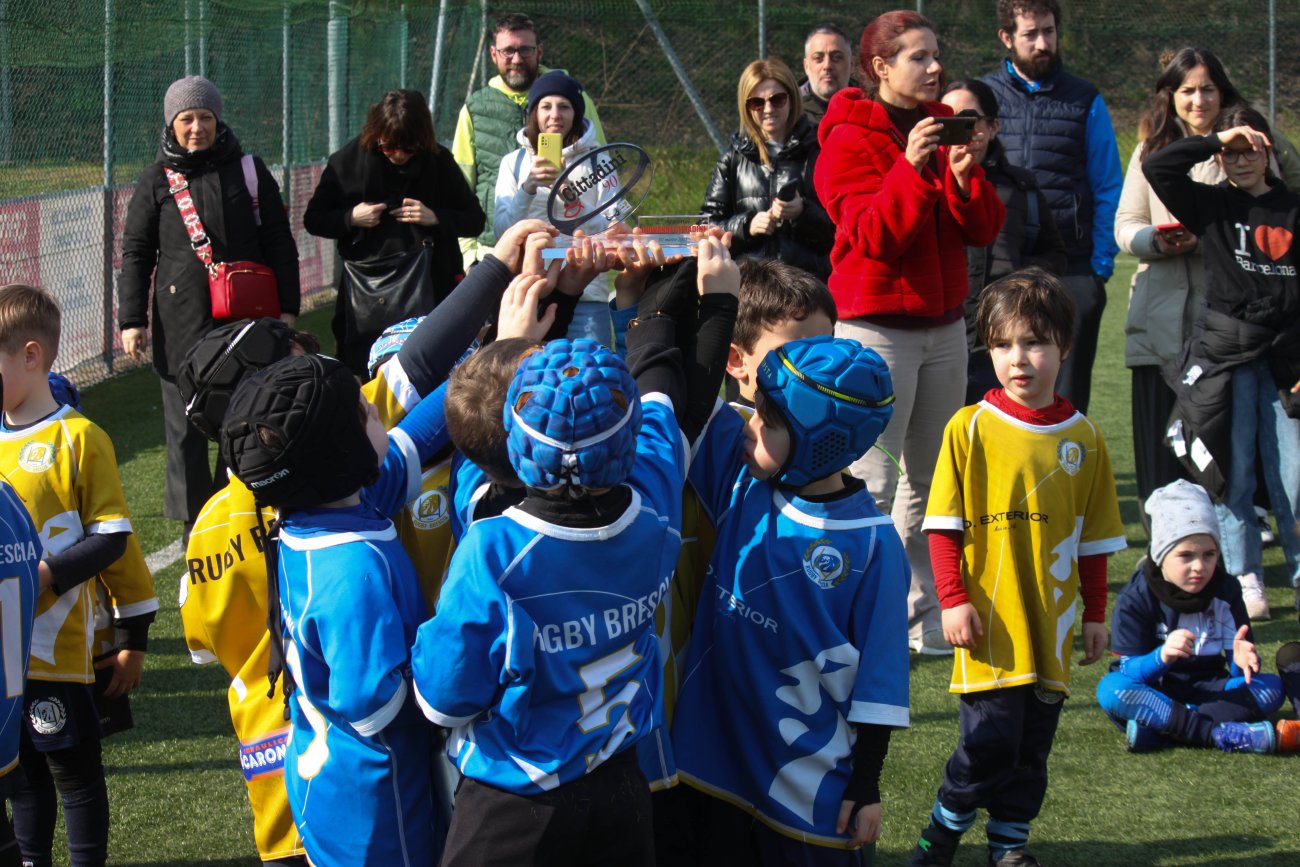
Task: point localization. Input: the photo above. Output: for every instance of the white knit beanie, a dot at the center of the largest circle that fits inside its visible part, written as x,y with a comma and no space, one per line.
1178,510
192,91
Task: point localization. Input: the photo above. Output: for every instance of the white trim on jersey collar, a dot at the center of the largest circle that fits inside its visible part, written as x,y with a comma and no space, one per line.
791,511
578,534
315,543
1024,425
36,427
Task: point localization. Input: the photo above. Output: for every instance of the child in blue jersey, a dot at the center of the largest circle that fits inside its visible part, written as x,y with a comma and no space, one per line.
1021,517
1172,626
23,549
542,657
348,602
797,669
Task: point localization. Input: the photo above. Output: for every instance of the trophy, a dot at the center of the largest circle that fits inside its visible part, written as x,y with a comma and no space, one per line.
602,190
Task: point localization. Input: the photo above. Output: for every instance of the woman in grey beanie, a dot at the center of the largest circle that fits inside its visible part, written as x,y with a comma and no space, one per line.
243,224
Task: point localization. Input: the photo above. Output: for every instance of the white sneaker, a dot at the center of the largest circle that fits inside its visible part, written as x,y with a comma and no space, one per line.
1266,536
1252,593
931,643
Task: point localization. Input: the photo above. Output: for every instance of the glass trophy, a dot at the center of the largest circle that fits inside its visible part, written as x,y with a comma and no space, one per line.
600,193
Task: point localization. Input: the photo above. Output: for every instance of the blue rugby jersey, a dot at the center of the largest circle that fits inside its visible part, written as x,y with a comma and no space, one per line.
801,631
20,556
543,657
358,755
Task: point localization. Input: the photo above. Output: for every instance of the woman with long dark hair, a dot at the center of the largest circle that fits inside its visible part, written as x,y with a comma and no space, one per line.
396,203
762,187
905,208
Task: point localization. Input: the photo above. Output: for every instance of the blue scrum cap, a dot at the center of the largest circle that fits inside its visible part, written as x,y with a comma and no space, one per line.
571,417
835,396
389,342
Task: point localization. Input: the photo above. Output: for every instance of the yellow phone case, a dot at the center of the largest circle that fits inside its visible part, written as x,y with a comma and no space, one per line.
550,145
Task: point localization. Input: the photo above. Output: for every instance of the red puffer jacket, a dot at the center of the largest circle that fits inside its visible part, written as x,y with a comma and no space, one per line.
899,234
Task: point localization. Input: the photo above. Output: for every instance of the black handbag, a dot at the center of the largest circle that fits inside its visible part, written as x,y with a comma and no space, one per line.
382,292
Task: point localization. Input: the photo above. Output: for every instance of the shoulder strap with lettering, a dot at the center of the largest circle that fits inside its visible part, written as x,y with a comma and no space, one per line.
179,187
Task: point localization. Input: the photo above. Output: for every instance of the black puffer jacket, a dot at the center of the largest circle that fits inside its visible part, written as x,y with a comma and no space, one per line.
156,248
742,187
1026,238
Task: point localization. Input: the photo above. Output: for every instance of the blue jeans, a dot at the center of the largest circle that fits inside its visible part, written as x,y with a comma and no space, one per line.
1259,421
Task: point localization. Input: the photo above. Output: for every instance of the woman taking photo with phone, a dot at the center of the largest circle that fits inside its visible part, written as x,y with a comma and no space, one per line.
555,108
762,187
396,203
904,209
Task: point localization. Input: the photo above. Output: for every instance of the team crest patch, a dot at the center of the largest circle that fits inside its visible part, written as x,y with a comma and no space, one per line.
824,565
36,457
1070,454
430,509
48,715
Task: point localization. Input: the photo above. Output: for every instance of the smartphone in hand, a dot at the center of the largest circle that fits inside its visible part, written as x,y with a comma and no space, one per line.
550,146
956,130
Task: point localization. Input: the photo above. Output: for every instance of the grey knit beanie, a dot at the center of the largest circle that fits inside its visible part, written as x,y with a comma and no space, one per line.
192,91
1178,510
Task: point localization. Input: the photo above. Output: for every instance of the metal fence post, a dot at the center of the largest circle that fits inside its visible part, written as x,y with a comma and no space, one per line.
437,58
6,94
403,46
203,38
687,85
762,28
337,59
286,107
1272,62
108,187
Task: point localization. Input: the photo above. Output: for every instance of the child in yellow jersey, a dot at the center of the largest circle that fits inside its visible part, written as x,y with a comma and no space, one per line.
1022,514
63,468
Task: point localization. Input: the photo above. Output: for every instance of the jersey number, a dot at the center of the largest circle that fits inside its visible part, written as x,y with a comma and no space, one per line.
597,708
11,635
797,782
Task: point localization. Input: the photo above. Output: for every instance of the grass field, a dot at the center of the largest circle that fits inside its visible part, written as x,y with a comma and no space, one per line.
178,796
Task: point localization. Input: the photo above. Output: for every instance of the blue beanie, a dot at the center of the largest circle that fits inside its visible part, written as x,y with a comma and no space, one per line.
556,83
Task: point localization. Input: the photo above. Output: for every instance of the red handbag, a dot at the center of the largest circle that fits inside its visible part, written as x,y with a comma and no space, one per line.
239,290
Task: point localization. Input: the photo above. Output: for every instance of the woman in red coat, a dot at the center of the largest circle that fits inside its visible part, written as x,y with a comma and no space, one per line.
904,210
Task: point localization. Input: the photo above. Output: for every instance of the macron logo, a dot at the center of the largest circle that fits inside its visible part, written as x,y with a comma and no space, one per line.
275,477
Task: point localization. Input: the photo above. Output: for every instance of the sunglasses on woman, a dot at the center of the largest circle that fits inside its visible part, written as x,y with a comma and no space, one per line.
778,100
389,149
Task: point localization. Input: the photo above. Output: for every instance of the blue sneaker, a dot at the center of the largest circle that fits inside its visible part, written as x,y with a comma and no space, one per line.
1142,739
1254,737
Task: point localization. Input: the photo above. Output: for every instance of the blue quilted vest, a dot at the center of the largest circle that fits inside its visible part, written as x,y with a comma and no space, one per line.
1045,131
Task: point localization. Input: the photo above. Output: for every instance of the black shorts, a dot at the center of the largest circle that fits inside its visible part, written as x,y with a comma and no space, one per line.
59,715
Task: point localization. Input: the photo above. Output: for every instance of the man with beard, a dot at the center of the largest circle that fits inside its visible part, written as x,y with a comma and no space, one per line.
1057,126
490,118
827,59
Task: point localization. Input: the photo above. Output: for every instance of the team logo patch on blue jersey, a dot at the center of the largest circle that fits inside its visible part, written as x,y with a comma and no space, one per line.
36,457
430,509
264,757
824,565
48,715
1070,455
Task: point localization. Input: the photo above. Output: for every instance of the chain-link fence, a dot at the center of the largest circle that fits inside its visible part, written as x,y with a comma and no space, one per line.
81,86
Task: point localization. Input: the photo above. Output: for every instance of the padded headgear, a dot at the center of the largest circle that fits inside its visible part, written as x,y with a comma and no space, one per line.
572,414
214,367
389,342
311,404
834,395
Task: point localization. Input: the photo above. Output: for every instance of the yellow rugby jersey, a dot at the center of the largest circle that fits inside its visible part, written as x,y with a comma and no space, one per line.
223,612
65,471
424,529
1030,499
